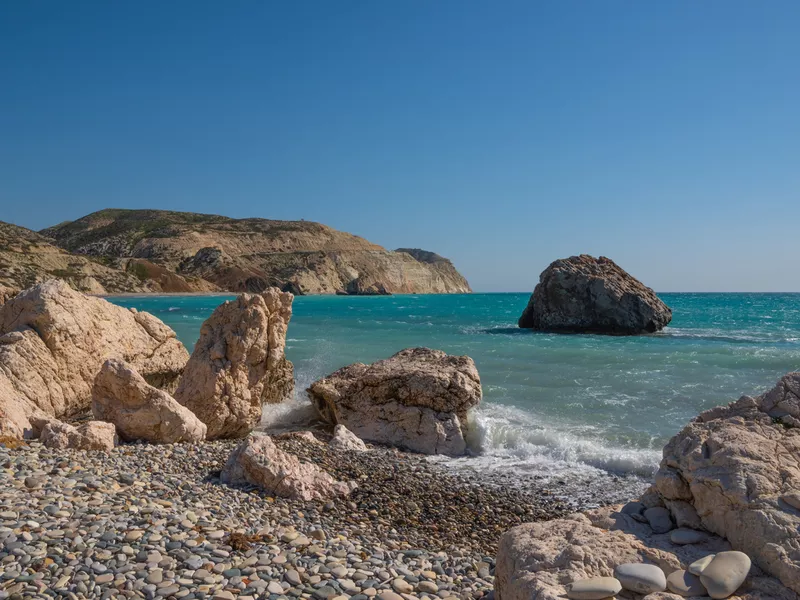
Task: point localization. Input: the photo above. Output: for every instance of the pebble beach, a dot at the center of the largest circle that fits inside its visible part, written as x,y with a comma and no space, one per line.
154,521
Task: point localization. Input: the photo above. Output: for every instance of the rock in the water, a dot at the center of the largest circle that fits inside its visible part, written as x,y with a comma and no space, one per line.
238,364
659,519
687,536
641,578
140,411
583,294
418,399
258,461
733,464
53,341
701,563
596,588
344,439
725,573
685,584
94,435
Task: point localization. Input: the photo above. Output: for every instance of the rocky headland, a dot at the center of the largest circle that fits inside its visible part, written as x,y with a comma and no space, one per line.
117,250
583,294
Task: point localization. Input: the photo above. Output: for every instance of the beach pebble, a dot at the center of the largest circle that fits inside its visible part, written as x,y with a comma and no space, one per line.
596,588
697,566
687,536
659,519
641,578
725,573
685,584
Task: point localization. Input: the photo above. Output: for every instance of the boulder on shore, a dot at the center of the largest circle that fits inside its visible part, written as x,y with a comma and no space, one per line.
345,440
583,294
94,435
738,466
258,461
53,341
418,399
140,411
238,364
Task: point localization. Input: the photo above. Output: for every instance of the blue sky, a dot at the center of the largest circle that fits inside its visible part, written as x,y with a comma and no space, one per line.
503,135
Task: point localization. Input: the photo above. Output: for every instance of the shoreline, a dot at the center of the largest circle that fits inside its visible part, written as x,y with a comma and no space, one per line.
154,520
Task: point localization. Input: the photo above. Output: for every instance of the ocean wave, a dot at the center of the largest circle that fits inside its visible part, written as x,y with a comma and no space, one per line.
173,308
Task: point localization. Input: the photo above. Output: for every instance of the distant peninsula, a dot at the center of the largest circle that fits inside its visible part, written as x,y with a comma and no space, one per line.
156,251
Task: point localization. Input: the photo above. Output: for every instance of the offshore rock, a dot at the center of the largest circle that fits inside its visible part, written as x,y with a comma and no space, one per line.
583,294
53,341
239,364
417,399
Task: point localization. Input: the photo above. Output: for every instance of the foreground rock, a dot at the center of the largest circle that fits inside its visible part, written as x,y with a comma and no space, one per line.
735,466
238,364
418,399
344,439
544,561
258,461
583,294
53,341
139,411
94,435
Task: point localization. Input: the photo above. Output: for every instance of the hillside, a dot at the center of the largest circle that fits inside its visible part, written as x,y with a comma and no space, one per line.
174,251
27,258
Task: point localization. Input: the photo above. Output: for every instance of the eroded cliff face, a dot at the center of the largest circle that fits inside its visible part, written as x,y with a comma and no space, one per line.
180,252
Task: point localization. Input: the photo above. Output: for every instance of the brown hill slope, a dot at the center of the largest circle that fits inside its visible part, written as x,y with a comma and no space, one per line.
195,250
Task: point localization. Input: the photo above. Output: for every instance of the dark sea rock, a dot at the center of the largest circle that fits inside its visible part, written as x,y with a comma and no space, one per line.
583,294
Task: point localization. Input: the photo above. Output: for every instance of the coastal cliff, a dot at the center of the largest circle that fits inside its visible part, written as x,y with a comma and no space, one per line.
184,252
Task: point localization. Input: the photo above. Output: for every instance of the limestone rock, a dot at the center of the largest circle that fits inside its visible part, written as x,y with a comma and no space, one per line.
258,461
344,439
53,341
6,293
238,364
583,294
140,411
538,561
418,399
94,435
733,464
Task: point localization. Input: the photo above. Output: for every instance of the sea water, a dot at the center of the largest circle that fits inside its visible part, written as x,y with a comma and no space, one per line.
558,408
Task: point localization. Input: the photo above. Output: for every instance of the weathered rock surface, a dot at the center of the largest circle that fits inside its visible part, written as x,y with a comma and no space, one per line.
539,561
344,439
583,294
418,399
6,293
734,464
140,411
53,341
258,461
239,364
173,250
94,435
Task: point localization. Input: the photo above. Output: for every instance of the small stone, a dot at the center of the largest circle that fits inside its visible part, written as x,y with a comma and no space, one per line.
274,588
685,584
104,578
687,536
697,566
725,573
388,595
659,519
792,499
641,578
293,577
427,587
401,586
596,588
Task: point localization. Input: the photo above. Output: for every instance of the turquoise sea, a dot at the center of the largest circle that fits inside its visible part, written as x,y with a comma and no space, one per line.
554,405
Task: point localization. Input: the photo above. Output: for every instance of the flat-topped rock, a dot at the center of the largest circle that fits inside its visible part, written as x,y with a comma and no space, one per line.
641,578
596,588
725,573
418,399
685,584
583,294
94,435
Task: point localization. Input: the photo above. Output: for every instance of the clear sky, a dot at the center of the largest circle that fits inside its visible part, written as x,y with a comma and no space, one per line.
502,135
